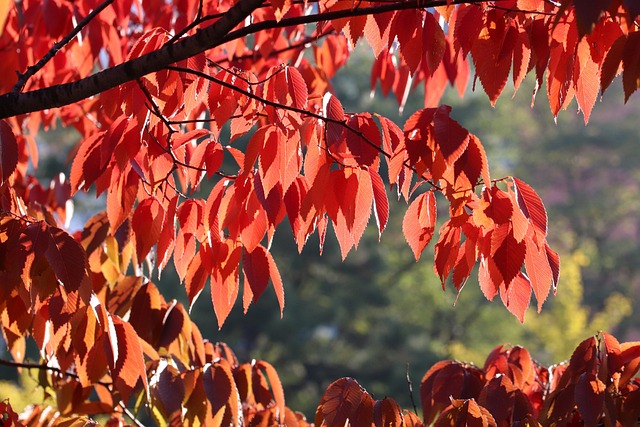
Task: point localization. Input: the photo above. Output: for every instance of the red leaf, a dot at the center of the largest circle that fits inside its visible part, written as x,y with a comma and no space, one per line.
500,207
363,140
345,401
492,53
276,387
406,26
225,278
469,23
333,111
631,63
554,263
121,197
517,295
381,203
86,167
446,251
419,222
198,273
222,393
465,413
434,42
387,413
539,271
451,139
362,205
278,287
629,361
498,397
489,278
611,66
167,237
297,88
587,78
444,381
464,264
521,58
147,225
561,65
63,253
8,151
508,255
256,272
590,393
473,162
531,206
129,360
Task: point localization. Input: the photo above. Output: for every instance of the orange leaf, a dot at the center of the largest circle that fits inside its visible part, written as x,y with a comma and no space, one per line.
531,206
276,387
539,271
278,287
517,295
381,203
65,255
256,271
147,222
419,222
129,370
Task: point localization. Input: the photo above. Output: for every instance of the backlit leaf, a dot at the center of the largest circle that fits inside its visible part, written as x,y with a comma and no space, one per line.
147,222
419,222
65,256
532,207
517,295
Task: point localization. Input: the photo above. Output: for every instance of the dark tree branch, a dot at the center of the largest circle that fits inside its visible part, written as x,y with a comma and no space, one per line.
13,104
44,366
218,33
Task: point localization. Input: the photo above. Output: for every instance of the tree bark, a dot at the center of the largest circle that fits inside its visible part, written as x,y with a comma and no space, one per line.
15,103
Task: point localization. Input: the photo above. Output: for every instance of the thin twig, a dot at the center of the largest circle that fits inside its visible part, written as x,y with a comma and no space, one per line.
410,384
44,366
156,108
31,70
129,414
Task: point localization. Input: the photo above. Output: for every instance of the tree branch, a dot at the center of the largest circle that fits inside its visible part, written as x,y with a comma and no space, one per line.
31,70
218,33
44,366
13,104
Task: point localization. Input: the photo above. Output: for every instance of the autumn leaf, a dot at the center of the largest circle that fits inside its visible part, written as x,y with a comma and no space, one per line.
419,222
8,151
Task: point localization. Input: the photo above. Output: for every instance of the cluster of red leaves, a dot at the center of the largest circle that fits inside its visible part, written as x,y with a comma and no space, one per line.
577,51
202,160
596,386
